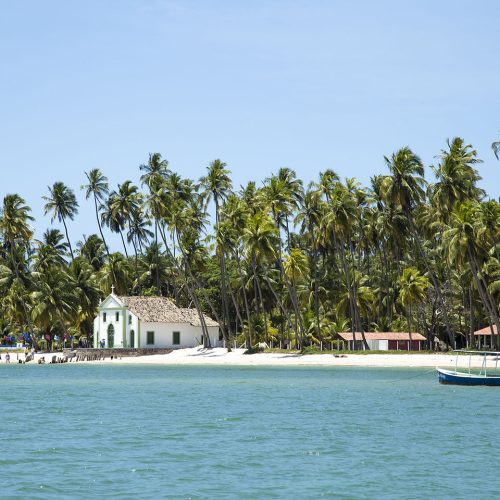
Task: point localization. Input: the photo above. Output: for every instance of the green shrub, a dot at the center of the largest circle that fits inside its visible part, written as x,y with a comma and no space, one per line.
254,350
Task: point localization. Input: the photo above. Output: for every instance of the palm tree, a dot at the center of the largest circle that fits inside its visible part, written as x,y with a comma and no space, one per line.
260,237
282,194
295,267
116,272
124,203
156,172
14,226
338,229
186,222
413,286
365,297
112,218
216,186
456,177
463,244
154,168
138,233
404,187
496,149
405,184
50,251
327,181
92,250
147,269
55,302
85,287
97,187
62,204
309,218
488,230
234,219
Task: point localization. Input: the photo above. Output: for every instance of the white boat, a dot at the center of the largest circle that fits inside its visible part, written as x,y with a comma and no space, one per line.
468,377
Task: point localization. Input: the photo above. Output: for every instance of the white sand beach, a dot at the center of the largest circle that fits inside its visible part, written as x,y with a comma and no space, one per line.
220,356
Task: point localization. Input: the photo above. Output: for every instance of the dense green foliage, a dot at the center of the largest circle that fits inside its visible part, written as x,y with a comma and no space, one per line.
283,263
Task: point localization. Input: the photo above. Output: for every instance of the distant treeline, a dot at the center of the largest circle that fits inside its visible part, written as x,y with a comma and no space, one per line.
277,262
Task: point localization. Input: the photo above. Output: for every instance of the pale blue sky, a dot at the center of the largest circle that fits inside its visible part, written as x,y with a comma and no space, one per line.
260,84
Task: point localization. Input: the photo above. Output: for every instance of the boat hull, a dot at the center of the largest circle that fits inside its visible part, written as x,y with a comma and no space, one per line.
449,377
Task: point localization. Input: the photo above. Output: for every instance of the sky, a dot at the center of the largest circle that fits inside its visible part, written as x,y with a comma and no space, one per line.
309,85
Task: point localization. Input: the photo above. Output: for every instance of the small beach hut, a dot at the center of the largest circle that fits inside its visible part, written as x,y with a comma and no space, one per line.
383,341
483,335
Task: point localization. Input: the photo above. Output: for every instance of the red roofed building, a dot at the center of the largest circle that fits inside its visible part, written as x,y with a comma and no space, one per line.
483,335
384,341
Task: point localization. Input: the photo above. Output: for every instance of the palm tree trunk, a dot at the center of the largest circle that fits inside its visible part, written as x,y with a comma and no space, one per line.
191,292
222,263
485,298
409,327
102,235
158,285
205,296
236,308
67,237
356,320
245,299
471,319
316,298
416,238
99,226
284,310
291,289
224,301
259,289
136,258
298,325
207,300
123,241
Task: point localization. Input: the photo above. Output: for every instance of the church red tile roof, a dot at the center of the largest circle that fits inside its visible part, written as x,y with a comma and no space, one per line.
163,310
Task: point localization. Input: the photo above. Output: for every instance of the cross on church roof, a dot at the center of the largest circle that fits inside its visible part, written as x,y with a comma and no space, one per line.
112,289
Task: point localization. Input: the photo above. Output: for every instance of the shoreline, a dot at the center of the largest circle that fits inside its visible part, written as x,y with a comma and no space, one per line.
219,356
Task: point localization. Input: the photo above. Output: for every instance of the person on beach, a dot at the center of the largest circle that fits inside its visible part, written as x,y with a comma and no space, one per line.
7,358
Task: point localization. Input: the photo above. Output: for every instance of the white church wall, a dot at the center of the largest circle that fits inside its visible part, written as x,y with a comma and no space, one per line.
124,322
189,336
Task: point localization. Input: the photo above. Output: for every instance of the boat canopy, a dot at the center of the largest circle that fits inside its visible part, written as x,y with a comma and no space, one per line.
478,353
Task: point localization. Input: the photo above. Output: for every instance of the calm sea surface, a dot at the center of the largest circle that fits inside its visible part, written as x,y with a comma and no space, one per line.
215,432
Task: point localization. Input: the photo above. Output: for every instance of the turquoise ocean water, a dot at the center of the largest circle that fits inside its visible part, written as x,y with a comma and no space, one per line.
101,431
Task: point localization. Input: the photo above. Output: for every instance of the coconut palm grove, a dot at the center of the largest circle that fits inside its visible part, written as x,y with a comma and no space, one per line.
275,261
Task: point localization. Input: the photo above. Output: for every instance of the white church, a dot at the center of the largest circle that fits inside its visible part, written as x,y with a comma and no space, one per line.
149,322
